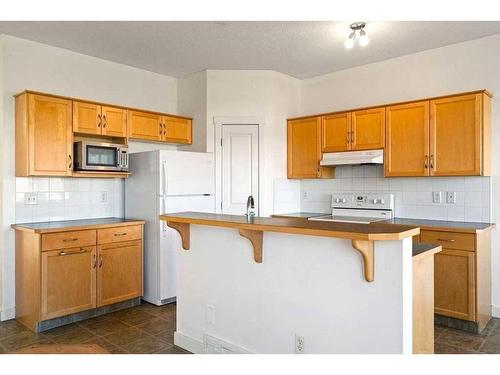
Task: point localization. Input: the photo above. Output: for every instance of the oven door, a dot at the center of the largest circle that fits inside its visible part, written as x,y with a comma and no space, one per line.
101,157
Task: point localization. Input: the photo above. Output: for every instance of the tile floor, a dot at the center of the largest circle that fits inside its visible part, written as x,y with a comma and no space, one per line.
150,329
138,330
452,341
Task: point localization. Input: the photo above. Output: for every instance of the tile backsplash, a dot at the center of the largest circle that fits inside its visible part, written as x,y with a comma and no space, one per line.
413,196
68,198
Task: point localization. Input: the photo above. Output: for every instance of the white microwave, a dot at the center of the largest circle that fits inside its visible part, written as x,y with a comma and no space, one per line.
98,156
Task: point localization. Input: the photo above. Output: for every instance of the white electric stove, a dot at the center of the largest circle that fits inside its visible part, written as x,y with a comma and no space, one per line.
361,208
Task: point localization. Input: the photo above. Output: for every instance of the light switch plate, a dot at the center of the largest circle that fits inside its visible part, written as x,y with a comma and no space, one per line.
436,197
451,197
30,198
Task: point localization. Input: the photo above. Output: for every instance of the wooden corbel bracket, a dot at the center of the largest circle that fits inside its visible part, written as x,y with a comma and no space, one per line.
183,229
255,237
365,248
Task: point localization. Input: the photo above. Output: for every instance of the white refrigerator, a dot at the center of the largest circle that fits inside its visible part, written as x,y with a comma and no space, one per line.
166,182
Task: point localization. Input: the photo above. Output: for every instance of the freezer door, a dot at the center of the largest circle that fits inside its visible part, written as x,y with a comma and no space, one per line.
187,173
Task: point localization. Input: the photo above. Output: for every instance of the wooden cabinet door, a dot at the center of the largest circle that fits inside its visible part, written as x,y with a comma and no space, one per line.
455,136
336,131
68,281
304,148
114,121
368,129
86,118
176,130
144,125
50,136
407,140
454,284
119,272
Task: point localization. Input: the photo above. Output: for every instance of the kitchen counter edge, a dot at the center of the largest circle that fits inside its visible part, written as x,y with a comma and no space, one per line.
73,225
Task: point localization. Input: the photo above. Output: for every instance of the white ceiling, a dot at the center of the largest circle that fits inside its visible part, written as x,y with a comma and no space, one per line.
300,49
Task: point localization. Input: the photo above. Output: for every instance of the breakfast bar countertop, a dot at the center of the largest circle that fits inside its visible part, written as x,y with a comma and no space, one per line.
70,225
373,232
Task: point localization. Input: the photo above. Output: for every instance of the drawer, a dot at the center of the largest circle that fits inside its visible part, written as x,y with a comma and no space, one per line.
119,234
449,240
66,240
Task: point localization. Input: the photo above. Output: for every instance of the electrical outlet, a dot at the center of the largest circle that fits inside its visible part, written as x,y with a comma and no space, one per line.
103,197
210,314
299,344
451,197
436,197
304,195
30,198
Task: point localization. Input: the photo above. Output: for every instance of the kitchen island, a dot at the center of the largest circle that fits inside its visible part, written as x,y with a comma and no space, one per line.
262,285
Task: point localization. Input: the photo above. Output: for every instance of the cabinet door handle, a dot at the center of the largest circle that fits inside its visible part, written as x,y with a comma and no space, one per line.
352,136
161,129
94,263
432,161
164,129
426,160
62,252
70,239
99,117
104,118
445,240
70,162
100,261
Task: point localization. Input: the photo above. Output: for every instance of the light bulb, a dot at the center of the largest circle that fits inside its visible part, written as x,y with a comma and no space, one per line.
349,42
363,39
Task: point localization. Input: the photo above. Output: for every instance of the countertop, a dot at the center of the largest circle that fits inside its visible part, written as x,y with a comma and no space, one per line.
293,225
437,225
69,225
424,249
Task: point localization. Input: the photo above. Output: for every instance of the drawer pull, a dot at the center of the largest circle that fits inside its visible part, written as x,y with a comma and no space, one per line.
445,240
70,239
94,263
62,252
100,261
120,234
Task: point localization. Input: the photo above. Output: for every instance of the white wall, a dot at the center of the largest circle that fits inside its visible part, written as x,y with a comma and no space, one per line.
309,286
457,68
29,65
265,94
192,101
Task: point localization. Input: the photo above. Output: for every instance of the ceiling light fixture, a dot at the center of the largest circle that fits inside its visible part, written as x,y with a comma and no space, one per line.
363,38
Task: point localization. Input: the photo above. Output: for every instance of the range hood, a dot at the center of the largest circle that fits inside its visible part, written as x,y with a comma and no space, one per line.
353,157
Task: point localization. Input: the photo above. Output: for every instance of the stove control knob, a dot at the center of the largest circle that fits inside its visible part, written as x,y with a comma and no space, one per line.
381,201
343,200
336,200
375,201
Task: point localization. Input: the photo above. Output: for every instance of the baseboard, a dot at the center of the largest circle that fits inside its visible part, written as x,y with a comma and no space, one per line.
188,343
495,311
7,314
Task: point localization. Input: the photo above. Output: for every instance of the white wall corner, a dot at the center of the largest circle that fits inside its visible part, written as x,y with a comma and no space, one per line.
495,311
188,343
8,314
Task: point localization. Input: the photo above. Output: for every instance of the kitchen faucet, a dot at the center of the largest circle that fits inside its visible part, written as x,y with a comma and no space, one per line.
250,206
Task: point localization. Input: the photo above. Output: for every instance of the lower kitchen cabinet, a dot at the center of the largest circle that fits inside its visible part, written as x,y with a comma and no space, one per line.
119,274
68,280
454,284
462,275
62,273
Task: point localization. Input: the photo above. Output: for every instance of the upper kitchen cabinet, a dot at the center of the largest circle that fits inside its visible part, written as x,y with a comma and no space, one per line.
94,119
304,149
407,140
145,125
460,135
44,136
336,132
177,129
368,129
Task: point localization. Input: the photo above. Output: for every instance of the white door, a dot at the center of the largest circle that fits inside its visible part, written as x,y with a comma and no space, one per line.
240,167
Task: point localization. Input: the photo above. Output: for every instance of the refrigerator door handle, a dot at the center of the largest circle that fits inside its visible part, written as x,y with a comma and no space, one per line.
164,177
